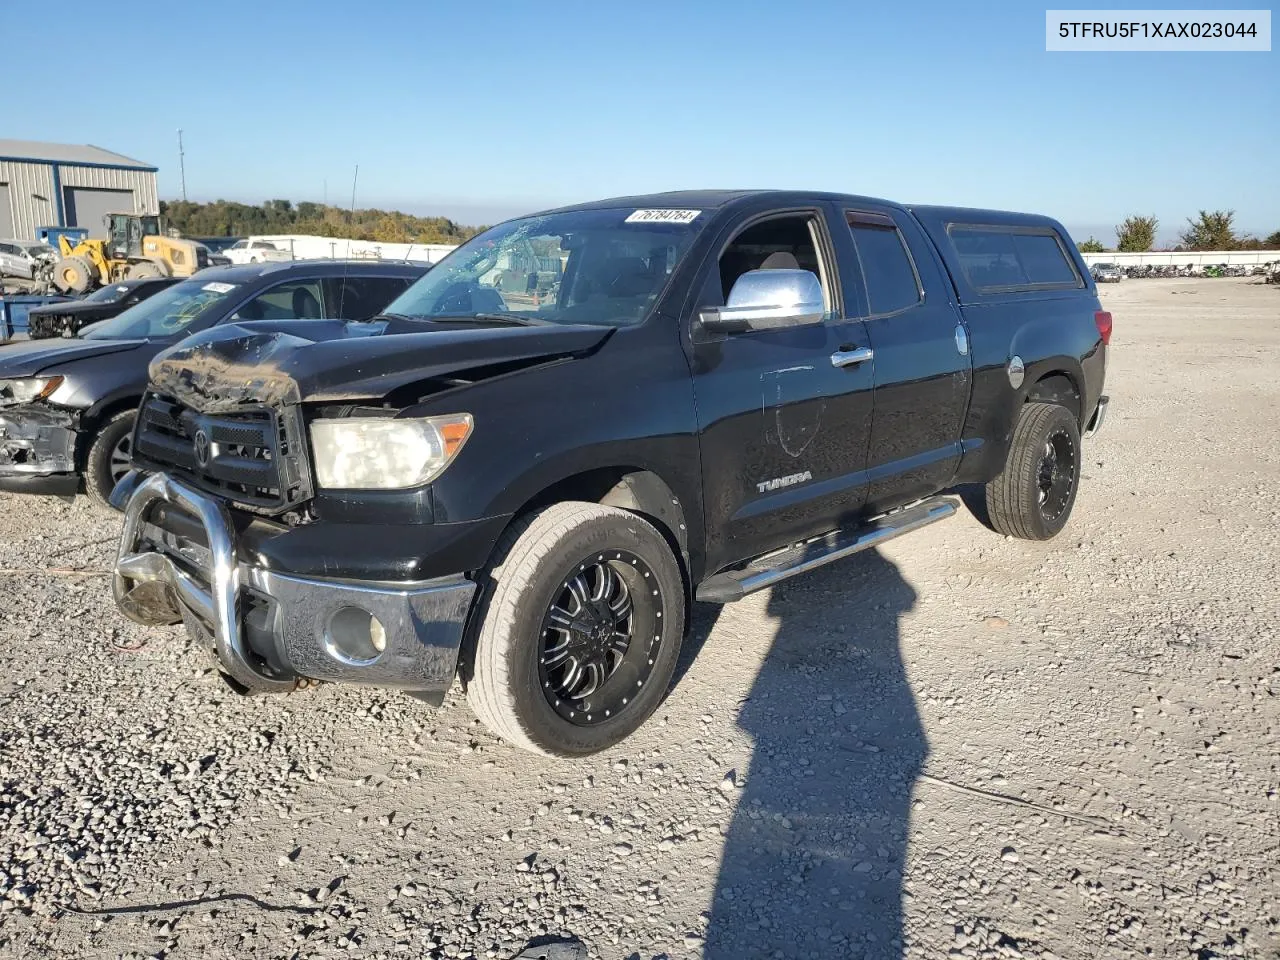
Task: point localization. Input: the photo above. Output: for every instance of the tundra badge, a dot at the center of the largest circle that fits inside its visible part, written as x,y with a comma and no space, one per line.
764,486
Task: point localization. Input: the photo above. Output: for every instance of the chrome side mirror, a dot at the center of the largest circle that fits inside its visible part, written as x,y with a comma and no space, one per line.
768,300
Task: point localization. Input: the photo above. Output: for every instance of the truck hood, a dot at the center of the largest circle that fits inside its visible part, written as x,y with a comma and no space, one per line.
26,358
316,361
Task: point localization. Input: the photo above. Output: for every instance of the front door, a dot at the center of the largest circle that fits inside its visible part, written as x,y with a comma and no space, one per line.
784,415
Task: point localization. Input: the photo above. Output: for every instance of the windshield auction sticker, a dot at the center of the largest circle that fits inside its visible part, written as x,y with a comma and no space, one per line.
217,287
1230,31
663,216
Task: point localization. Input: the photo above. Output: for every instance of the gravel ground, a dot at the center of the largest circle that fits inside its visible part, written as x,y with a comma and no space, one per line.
957,746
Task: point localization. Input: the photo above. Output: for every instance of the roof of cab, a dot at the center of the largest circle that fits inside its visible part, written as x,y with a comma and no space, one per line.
714,199
924,211
247,273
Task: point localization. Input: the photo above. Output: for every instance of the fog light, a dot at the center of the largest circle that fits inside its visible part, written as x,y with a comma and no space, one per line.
355,636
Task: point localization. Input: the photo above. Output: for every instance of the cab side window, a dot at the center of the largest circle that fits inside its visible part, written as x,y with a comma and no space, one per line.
888,271
780,243
297,300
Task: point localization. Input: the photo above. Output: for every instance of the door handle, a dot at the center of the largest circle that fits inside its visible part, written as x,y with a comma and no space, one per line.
847,358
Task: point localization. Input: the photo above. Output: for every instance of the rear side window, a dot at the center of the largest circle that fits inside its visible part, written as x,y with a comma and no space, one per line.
297,300
359,298
1011,258
1043,258
887,268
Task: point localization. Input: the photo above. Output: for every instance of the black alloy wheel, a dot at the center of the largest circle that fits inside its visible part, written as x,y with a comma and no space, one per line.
1033,495
1056,475
600,637
577,629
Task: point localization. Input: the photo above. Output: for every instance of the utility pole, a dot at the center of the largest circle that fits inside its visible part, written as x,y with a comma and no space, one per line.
182,166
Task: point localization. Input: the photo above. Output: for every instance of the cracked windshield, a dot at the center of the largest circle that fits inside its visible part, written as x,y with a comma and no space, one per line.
602,267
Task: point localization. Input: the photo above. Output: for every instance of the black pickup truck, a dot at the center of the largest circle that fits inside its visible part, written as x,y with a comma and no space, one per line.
615,409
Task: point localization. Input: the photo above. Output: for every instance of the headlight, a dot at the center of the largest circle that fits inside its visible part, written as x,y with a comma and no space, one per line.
385,454
27,389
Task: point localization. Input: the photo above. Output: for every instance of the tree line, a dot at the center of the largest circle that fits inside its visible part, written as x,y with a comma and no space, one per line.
1210,230
225,218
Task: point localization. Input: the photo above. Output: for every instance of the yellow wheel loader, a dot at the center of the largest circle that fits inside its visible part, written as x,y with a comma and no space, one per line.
134,248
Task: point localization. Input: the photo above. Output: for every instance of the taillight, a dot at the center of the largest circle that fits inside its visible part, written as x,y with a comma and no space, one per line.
1103,319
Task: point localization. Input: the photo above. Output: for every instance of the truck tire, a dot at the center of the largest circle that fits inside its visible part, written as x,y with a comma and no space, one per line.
144,270
108,458
1032,498
578,630
73,275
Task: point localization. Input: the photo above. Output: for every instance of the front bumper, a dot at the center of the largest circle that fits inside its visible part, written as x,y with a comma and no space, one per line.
37,451
269,630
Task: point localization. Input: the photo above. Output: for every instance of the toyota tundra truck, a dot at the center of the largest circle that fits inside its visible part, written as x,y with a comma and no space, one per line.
694,396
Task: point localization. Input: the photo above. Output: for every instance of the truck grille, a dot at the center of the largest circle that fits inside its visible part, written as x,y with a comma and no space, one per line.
254,458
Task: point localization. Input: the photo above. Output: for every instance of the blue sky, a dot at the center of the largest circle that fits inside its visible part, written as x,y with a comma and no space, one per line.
484,110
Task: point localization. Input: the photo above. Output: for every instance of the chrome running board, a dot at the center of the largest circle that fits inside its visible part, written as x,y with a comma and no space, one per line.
802,557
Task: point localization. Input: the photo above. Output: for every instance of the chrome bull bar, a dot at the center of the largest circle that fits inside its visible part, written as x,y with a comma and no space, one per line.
163,582
420,624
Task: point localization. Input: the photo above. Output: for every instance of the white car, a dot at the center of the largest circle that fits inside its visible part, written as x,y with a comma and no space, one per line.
20,258
255,251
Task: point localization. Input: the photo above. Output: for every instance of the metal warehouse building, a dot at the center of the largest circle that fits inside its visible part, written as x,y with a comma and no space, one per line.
66,185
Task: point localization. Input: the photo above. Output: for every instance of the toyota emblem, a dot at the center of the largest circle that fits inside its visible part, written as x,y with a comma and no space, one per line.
201,444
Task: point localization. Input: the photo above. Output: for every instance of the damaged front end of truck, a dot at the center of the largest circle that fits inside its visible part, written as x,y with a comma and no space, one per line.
229,527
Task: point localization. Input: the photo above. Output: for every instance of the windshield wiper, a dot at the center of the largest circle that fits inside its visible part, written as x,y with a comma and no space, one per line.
391,316
510,319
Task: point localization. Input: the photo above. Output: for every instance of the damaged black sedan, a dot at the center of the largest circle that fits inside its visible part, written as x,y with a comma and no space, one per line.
69,318
68,405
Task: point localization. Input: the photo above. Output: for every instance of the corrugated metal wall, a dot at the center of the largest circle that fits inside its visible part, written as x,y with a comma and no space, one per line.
33,198
6,212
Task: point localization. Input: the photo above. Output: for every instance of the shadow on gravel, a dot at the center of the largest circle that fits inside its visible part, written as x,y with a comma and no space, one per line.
974,497
813,859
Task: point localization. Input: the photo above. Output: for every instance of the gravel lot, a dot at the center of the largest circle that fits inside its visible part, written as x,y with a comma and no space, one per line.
958,746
